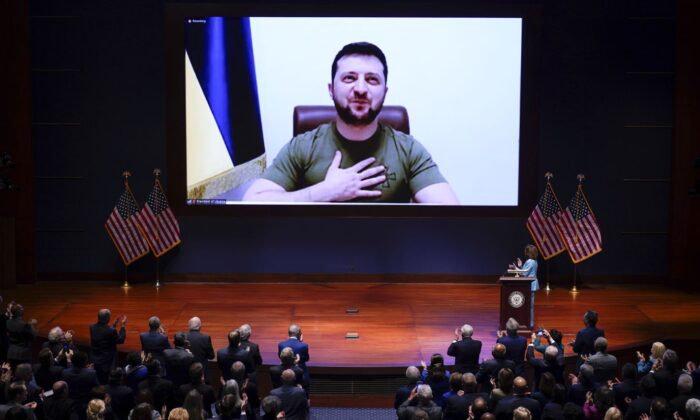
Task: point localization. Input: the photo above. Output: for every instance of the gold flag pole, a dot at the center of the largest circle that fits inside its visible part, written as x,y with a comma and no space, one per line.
548,176
580,178
156,173
126,175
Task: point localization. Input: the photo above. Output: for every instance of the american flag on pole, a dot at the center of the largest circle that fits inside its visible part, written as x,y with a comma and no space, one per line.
121,227
542,224
580,229
158,222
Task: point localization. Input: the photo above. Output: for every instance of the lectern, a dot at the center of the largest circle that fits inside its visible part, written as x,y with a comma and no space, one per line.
515,299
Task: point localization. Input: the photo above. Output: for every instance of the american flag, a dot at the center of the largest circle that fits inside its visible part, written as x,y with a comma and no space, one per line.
579,229
158,222
122,228
542,224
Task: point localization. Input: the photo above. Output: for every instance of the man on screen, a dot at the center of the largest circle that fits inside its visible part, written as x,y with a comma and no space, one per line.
354,158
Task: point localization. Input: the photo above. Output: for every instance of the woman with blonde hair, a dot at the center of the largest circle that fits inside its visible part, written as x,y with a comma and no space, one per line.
657,352
96,410
613,413
178,414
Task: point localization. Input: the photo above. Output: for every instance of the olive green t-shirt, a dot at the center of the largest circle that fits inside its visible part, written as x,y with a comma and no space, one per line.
305,160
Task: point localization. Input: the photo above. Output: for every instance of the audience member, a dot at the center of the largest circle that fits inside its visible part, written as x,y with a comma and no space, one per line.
96,410
520,398
60,406
194,405
552,362
294,402
515,345
21,335
489,369
554,409
413,377
272,408
254,350
80,378
598,403
642,403
154,342
46,372
158,389
287,360
16,396
585,338
225,357
103,343
295,340
421,398
122,396
628,388
666,376
613,413
246,385
604,364
178,360
465,350
581,385
685,392
657,351
196,376
200,345
135,370
178,413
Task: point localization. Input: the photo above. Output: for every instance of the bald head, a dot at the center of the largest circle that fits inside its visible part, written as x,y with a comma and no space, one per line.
288,377
520,385
499,351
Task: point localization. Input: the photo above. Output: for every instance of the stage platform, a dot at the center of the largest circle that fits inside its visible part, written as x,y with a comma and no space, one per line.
398,324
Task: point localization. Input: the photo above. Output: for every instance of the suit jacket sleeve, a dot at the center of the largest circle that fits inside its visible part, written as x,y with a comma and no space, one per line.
210,349
578,342
121,336
451,349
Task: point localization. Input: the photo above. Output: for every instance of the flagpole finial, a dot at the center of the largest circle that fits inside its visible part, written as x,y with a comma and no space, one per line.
548,176
126,174
580,178
156,172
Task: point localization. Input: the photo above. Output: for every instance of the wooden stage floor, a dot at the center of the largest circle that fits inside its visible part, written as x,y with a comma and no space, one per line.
398,324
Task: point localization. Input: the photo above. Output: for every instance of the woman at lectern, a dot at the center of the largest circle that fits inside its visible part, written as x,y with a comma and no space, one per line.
531,267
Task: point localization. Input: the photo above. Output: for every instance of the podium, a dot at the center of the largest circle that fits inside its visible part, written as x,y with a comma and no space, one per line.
515,300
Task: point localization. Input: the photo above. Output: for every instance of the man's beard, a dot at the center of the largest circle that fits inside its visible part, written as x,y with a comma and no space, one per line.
345,114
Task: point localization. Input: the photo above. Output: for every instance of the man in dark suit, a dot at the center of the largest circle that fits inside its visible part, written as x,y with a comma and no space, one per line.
489,369
122,396
421,399
161,389
80,378
301,349
552,362
103,343
457,406
154,342
253,348
628,388
515,345
581,385
465,350
200,345
60,406
21,335
16,395
227,356
196,375
642,404
667,375
520,398
287,362
584,344
178,361
413,376
294,402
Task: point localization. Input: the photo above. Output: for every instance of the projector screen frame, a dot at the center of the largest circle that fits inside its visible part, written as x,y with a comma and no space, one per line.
528,178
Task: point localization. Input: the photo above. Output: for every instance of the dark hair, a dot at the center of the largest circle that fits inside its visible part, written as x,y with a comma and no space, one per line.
590,318
45,357
360,48
79,359
556,336
603,399
141,412
559,394
116,375
195,373
629,371
647,386
572,411
546,385
659,408
456,381
153,367
180,339
133,359
98,392
234,338
16,413
15,390
271,404
193,404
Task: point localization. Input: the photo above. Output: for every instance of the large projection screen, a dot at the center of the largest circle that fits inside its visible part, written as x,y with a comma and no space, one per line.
236,74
